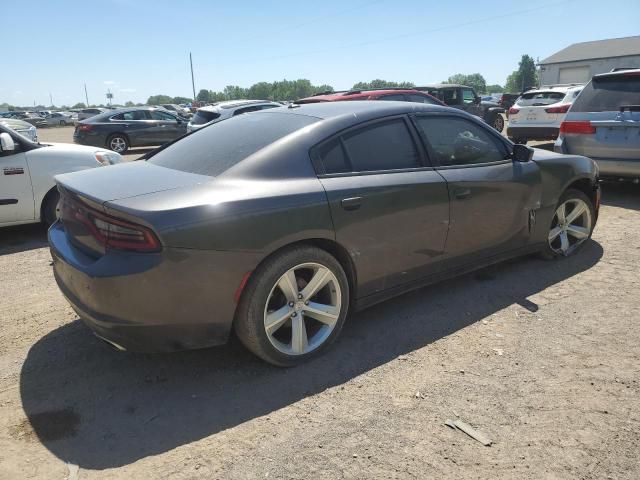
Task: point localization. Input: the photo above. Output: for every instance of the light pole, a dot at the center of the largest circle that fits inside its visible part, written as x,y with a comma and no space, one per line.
86,96
193,83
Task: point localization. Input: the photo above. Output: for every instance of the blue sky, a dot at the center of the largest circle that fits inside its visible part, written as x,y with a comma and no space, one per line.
139,48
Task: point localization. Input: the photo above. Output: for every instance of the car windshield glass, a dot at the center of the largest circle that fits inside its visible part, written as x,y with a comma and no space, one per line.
218,147
608,93
540,98
203,116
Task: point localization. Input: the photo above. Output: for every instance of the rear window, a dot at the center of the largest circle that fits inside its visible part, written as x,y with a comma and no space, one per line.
202,116
218,147
609,93
535,99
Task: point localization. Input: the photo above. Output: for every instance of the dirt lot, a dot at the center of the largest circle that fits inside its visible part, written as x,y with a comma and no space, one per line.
541,356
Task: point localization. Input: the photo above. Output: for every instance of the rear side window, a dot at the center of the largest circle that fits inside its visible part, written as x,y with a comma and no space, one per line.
382,146
215,149
608,93
202,116
457,141
135,115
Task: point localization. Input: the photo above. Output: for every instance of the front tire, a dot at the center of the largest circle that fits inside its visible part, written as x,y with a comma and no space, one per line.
498,123
50,208
293,307
118,143
571,226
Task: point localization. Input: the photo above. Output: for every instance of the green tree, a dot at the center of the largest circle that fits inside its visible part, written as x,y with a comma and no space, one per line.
525,77
129,104
159,99
378,83
179,100
203,96
495,88
79,105
474,80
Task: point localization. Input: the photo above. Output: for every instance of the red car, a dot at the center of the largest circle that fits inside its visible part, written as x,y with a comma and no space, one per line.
397,94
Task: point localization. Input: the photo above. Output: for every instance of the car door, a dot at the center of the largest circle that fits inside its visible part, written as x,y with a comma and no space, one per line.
167,126
493,199
469,102
137,125
390,210
16,193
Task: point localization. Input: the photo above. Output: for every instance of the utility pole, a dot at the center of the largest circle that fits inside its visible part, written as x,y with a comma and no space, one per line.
86,96
193,83
50,99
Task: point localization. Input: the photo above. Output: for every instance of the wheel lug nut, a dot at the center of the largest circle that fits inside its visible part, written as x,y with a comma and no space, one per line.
294,314
299,295
291,304
307,302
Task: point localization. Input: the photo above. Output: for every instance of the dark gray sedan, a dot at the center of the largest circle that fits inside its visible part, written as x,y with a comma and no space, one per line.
280,222
131,127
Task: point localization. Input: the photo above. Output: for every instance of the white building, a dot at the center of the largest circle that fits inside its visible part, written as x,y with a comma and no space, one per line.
579,62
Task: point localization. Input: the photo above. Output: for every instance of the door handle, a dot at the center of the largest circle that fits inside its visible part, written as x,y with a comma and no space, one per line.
462,193
352,203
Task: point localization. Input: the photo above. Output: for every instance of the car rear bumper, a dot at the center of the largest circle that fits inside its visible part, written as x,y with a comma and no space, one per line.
159,302
533,133
618,168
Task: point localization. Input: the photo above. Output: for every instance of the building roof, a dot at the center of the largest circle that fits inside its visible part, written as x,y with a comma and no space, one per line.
614,47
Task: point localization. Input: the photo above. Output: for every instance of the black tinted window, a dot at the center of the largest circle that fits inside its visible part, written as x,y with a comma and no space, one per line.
135,115
422,99
202,116
332,156
163,116
608,94
383,146
396,97
213,150
456,141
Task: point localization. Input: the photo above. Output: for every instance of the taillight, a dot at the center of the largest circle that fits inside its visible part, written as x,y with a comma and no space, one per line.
84,127
584,128
558,109
513,110
112,232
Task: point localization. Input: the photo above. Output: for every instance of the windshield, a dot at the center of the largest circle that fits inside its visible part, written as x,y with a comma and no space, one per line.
218,147
609,93
535,99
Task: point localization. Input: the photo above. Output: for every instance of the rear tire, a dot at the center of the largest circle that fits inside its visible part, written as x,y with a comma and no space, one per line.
118,142
289,326
49,213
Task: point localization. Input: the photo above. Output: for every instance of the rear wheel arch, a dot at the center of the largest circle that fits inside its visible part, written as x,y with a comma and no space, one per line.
333,248
585,185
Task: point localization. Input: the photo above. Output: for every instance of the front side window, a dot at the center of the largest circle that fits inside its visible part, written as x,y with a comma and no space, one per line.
450,96
162,116
128,116
457,141
468,97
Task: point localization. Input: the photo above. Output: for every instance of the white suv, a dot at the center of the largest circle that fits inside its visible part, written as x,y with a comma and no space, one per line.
537,114
223,110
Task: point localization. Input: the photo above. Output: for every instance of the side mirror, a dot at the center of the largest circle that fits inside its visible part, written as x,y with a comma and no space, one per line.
522,153
6,143
477,100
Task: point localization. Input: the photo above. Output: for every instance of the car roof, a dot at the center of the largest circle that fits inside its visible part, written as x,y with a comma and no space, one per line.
233,104
443,85
362,110
352,94
619,73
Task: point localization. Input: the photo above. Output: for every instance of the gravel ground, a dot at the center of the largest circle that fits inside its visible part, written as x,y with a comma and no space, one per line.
540,356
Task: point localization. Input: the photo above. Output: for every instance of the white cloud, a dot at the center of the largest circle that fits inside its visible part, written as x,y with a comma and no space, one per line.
110,82
127,90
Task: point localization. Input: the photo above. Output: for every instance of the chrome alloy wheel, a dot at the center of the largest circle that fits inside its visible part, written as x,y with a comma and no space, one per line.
570,227
302,309
118,144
